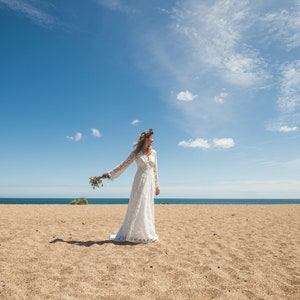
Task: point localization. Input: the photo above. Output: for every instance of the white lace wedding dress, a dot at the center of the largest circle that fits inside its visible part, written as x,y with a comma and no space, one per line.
138,225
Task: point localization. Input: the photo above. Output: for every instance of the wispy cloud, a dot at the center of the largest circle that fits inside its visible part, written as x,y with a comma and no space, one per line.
95,132
76,138
284,25
243,46
223,143
213,49
289,99
215,35
30,11
116,5
285,123
186,96
293,163
220,99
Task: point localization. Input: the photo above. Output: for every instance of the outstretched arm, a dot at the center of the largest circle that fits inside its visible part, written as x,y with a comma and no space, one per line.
117,171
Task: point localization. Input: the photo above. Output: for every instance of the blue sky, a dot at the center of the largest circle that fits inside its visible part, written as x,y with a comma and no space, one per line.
218,81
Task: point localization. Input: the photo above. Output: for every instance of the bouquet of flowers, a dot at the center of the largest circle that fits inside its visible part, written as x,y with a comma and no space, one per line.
96,181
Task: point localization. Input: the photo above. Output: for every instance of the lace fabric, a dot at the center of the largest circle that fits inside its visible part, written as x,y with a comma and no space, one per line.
117,171
139,224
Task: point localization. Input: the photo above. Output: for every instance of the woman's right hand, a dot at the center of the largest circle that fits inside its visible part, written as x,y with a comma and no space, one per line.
157,191
105,175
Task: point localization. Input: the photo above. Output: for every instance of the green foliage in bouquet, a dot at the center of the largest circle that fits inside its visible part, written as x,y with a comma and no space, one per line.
80,201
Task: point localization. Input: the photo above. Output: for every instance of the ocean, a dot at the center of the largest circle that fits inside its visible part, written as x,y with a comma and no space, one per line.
157,201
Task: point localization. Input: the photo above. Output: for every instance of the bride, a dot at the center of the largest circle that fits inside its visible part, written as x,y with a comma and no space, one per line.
138,225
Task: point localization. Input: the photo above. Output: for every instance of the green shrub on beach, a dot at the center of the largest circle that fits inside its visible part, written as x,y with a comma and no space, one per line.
80,201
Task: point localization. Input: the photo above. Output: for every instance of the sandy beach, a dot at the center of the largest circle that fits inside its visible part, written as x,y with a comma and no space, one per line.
204,252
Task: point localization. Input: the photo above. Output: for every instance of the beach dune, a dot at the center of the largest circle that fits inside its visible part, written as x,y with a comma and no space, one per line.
203,252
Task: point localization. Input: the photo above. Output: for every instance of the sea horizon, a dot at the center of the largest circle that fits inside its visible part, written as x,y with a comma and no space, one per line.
56,200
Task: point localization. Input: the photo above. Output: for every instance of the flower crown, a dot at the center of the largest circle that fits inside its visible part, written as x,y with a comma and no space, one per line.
144,135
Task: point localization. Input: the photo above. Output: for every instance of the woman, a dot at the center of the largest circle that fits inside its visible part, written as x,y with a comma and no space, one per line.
138,225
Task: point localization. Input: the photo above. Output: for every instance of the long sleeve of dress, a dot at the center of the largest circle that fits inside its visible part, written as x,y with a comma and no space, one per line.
155,169
117,171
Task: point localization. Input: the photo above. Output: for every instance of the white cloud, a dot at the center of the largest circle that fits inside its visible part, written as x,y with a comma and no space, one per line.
186,96
220,99
224,143
287,128
197,143
76,138
135,122
96,132
30,11
289,100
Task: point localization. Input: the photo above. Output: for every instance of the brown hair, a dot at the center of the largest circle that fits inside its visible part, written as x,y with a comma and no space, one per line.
140,143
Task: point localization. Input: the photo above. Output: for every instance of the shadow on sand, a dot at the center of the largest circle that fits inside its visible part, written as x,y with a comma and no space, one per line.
90,243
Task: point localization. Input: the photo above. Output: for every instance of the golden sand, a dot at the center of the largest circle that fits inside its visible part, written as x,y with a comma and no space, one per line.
204,252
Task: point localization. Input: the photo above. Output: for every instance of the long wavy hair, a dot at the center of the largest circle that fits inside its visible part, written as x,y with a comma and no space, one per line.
140,143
